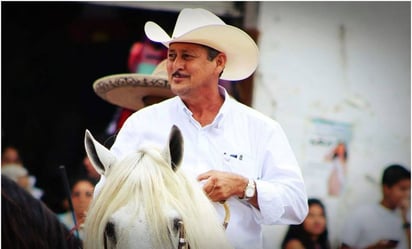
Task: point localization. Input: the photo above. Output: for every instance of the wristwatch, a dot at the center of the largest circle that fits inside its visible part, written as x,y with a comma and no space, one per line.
249,190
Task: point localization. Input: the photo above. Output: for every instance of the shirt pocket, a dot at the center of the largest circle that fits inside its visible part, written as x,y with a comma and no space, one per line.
240,163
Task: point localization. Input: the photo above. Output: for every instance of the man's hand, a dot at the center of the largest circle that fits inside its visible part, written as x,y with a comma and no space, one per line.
222,185
385,244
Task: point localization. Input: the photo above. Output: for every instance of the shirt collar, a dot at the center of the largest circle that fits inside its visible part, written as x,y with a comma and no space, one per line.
222,111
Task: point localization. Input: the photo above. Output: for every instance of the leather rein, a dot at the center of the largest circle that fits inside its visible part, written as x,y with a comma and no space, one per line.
182,244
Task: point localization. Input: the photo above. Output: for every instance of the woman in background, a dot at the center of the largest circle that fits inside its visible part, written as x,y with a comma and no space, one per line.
81,195
312,233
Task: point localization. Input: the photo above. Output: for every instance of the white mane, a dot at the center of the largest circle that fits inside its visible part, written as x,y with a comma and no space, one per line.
144,181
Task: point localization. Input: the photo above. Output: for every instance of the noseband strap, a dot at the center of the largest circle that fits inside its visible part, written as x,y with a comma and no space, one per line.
182,236
182,240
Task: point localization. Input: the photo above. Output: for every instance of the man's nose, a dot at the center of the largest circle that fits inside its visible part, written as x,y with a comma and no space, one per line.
178,64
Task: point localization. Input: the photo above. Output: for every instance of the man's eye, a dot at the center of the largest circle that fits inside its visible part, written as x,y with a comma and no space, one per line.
171,56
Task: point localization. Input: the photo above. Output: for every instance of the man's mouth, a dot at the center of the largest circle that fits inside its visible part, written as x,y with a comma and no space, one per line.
178,75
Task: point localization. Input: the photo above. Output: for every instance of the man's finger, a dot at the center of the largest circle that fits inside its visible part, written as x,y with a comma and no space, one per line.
204,176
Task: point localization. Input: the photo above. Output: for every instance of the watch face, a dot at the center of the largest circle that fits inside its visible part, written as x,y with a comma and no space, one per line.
249,192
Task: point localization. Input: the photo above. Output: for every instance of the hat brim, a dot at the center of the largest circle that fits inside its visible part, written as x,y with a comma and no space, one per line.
129,90
240,49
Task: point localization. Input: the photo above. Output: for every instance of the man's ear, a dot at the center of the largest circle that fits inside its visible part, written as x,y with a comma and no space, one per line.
220,62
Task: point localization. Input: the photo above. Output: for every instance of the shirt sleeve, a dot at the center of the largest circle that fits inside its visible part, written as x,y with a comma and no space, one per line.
281,191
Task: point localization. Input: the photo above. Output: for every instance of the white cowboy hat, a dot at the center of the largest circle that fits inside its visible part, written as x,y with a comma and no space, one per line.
200,26
128,90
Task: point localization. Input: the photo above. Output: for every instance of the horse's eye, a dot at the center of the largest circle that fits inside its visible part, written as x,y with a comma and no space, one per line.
110,232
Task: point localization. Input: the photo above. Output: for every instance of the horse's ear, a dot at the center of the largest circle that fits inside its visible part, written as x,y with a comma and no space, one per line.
173,152
99,155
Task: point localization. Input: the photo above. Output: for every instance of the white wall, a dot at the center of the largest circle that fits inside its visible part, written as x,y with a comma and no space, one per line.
342,61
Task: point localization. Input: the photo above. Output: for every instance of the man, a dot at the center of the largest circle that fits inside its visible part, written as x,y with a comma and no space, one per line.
385,224
238,154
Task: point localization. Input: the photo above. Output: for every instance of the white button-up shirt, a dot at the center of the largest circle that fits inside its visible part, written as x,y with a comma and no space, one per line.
239,140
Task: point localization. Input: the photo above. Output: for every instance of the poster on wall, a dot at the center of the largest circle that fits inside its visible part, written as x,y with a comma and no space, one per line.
326,157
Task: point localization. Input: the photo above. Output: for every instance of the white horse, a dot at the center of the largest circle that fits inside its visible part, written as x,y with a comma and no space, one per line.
145,201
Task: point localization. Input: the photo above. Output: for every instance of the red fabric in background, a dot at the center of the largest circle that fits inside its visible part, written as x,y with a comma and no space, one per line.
141,52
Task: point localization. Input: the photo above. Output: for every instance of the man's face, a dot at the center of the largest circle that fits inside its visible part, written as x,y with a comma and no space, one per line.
189,70
399,192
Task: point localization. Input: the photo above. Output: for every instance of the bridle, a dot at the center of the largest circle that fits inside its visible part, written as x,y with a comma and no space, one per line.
182,244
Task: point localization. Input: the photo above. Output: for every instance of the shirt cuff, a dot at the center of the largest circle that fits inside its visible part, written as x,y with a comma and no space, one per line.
270,204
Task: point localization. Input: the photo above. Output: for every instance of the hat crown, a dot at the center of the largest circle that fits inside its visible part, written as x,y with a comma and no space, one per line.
190,19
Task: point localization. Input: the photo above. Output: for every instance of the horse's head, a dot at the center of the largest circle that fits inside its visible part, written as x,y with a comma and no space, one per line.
146,198
118,224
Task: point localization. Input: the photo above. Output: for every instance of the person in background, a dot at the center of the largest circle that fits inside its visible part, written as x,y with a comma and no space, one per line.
10,155
385,224
81,196
144,56
90,170
12,167
19,174
239,155
312,233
